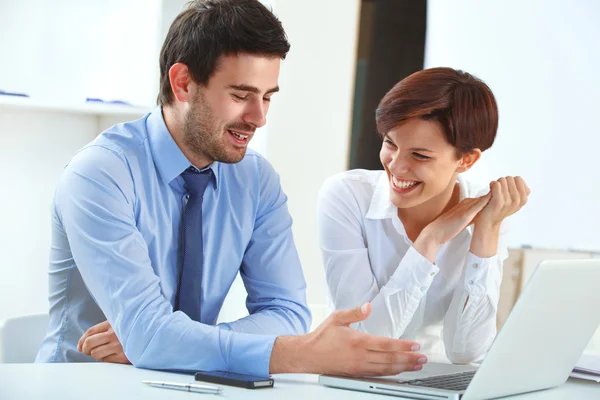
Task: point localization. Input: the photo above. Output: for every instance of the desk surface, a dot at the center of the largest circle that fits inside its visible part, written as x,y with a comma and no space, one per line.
112,381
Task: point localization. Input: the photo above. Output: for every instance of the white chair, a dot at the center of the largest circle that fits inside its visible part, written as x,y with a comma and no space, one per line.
20,337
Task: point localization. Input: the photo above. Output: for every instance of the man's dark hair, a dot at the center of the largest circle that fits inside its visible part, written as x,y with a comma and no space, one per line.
209,29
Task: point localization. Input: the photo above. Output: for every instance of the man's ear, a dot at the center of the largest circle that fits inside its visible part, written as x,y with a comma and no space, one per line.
179,76
468,160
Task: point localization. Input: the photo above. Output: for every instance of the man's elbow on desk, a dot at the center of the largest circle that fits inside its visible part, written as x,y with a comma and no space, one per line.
176,342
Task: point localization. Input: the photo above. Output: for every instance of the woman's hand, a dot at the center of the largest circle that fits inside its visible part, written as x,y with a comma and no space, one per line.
445,227
508,195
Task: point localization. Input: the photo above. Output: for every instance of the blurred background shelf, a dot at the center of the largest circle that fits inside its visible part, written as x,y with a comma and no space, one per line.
90,108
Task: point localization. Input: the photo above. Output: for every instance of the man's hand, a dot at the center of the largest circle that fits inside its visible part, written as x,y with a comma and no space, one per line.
335,348
101,342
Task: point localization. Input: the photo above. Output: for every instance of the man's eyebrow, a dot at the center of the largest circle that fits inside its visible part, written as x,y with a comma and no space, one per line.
252,89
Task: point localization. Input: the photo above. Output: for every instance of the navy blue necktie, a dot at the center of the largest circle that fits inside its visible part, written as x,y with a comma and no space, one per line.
190,277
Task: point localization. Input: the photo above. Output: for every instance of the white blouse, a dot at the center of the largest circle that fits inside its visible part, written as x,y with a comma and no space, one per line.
369,257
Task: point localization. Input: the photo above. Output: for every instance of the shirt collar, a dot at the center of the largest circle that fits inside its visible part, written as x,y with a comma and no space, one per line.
168,157
381,207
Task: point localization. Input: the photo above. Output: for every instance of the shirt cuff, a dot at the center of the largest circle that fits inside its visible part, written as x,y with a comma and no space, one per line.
414,274
479,273
250,354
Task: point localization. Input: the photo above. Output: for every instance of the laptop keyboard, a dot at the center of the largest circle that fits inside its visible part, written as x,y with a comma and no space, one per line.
457,382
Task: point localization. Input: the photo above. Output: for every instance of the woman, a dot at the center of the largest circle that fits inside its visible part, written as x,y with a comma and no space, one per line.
418,241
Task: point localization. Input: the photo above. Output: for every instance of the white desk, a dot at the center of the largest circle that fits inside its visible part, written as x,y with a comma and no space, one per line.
112,381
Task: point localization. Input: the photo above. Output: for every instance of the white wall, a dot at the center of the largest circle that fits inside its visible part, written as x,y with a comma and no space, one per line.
60,53
309,120
541,58
72,49
34,148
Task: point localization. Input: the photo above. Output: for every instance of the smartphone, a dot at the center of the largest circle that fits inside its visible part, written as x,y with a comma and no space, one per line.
231,379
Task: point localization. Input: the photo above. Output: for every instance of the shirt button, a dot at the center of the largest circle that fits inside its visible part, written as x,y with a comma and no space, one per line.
471,282
422,289
475,265
432,274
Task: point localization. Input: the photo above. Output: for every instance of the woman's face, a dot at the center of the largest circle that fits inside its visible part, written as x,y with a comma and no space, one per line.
419,162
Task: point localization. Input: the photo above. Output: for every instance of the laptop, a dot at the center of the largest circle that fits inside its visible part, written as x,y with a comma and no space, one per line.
538,346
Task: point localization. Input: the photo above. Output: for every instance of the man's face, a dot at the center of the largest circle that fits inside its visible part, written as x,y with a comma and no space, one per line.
224,114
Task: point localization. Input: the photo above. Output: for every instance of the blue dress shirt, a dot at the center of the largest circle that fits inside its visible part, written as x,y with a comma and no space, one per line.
115,255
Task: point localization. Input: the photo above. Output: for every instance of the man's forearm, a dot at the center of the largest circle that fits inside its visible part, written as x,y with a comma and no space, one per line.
294,320
187,345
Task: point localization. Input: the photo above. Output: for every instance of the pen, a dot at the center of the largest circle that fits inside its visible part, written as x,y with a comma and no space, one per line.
3,93
188,387
96,100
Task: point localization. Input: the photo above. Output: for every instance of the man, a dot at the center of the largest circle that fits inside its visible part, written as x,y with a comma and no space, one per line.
153,220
